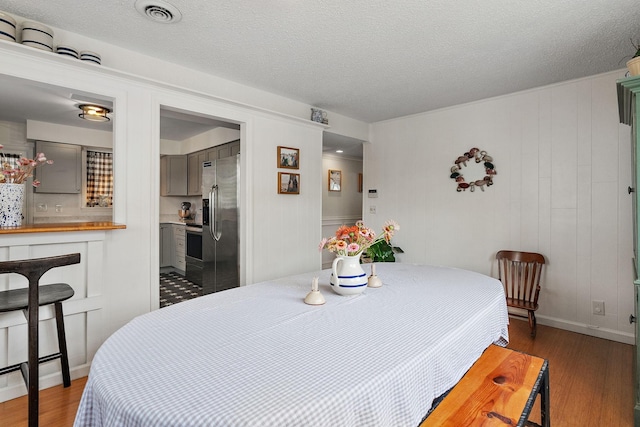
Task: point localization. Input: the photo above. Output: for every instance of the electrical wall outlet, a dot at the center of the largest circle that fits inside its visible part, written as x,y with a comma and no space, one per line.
372,209
58,208
42,207
598,307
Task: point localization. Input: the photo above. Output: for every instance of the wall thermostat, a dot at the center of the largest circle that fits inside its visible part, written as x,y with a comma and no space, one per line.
373,194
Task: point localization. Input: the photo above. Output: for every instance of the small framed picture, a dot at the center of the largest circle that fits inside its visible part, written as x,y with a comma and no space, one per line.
335,180
288,183
359,183
288,158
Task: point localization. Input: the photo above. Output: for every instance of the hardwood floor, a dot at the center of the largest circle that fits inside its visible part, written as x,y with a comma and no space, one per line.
591,382
590,379
58,406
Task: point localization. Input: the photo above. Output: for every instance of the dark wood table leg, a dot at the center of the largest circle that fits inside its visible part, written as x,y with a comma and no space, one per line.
545,419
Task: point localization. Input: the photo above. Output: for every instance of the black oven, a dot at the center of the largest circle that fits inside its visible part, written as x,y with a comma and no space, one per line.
194,243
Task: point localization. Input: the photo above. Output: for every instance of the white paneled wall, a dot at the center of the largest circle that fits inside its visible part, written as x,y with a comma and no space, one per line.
285,230
84,321
563,163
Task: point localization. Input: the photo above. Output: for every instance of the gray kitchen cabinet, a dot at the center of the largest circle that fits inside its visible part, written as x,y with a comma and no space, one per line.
173,176
166,245
179,261
194,166
172,246
225,150
234,148
221,152
181,175
195,160
64,175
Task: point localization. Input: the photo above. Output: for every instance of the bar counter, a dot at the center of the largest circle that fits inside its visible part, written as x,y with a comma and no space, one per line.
62,226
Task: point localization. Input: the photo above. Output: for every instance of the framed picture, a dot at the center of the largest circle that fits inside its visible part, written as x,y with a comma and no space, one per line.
359,183
288,183
335,180
288,158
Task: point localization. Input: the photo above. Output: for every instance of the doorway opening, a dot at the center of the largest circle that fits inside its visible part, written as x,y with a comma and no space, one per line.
192,261
342,168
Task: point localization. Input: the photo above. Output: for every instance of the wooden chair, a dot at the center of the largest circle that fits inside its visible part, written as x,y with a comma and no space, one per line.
25,299
520,274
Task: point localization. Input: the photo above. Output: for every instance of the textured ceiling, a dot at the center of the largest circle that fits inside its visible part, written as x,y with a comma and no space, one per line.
370,60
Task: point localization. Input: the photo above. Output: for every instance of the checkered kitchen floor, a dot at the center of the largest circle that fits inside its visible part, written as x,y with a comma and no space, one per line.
175,288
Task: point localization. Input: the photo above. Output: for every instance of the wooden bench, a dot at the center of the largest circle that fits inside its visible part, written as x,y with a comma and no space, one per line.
499,390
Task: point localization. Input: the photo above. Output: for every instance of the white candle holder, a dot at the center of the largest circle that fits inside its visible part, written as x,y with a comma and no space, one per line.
314,297
374,281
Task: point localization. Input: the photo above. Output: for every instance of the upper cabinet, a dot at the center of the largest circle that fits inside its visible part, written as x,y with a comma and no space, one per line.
64,175
222,151
181,175
173,176
194,180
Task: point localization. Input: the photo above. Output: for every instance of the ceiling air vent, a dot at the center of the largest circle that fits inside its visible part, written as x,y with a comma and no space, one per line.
158,11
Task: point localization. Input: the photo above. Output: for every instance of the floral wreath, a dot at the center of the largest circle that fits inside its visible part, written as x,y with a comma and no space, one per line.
478,156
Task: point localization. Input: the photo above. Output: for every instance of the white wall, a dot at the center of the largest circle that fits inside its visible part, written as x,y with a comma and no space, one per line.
563,163
285,231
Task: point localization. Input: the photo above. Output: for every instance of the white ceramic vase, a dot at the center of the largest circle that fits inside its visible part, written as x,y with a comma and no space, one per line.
11,199
347,275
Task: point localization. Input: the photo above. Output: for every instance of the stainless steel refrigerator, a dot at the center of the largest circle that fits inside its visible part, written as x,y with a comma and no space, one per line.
219,268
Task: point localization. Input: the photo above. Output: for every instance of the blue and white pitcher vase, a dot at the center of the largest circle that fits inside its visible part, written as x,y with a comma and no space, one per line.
11,199
347,275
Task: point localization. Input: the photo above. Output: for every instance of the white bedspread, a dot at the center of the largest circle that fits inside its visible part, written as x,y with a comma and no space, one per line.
259,356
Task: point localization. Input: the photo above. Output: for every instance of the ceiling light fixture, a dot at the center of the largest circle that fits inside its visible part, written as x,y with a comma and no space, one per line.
94,113
158,11
339,151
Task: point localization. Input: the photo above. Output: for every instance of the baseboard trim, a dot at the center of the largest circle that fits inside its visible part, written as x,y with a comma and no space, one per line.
581,328
46,381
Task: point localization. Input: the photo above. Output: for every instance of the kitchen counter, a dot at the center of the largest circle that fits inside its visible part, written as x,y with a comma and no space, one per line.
172,222
65,226
171,219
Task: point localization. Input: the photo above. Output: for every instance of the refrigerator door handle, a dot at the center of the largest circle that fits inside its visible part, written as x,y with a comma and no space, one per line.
213,211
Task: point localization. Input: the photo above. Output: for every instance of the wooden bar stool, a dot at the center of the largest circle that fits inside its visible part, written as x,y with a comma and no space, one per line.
25,299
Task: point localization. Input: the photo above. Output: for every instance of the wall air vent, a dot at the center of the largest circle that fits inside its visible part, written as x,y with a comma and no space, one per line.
158,11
